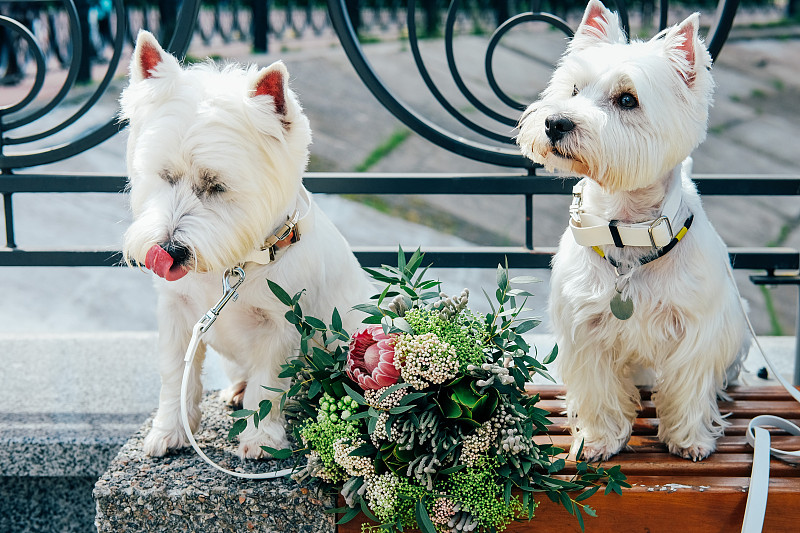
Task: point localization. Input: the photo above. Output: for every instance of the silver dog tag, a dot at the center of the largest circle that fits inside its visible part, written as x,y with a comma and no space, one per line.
622,309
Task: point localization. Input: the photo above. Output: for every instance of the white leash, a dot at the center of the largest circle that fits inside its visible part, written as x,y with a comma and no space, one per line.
229,293
759,438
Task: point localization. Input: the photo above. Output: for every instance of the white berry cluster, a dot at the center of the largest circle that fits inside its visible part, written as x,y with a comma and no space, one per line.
353,465
442,511
382,493
391,400
477,444
425,360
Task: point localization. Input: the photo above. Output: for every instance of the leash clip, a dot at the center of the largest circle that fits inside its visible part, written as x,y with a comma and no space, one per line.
228,293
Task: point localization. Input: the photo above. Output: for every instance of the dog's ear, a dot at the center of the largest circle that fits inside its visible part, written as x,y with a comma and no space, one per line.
147,56
273,81
685,49
599,25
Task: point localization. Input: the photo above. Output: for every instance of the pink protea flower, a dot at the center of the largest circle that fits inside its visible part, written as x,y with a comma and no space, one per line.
370,362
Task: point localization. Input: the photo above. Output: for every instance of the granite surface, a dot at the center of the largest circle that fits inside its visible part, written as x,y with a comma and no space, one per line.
45,504
180,492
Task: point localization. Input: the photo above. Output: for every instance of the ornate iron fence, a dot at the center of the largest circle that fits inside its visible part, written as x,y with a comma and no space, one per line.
256,21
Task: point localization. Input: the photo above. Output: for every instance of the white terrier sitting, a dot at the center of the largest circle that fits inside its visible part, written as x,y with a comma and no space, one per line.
215,162
639,280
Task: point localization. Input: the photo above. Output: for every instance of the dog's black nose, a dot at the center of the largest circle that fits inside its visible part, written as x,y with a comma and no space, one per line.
557,126
180,254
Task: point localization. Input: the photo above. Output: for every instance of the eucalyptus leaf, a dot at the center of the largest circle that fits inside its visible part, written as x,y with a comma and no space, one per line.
423,520
502,278
522,280
264,408
397,386
279,293
349,515
316,323
238,426
336,320
552,356
354,395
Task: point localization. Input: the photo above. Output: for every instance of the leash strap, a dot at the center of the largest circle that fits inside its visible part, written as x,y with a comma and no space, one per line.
759,438
229,293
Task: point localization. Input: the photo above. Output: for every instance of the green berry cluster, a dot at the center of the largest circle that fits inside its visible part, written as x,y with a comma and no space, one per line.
408,494
335,410
463,332
320,437
477,491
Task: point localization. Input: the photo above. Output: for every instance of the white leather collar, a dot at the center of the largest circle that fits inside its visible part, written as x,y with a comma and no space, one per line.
297,223
592,230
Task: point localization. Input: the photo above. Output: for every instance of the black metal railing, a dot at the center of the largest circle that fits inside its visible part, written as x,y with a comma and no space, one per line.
488,141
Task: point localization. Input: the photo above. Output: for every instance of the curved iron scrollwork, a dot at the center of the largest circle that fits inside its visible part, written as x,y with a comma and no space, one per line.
494,146
27,113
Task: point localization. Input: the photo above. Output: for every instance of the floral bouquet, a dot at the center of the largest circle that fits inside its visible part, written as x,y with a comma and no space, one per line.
421,419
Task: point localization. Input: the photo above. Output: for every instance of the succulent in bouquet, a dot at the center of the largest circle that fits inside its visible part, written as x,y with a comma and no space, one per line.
421,418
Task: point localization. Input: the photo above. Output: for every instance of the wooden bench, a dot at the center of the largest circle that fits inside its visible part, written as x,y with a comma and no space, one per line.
670,494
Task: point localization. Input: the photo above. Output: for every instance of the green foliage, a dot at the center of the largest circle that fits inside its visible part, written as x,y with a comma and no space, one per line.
423,448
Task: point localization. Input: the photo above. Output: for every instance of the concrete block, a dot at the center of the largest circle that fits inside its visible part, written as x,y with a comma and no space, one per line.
180,492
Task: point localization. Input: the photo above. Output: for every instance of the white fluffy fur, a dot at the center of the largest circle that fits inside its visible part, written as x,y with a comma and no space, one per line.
687,327
189,127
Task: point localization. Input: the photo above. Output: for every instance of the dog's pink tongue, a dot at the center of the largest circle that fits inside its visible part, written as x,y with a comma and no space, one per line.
159,261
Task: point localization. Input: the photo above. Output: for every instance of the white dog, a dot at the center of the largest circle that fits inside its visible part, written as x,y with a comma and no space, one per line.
640,278
215,162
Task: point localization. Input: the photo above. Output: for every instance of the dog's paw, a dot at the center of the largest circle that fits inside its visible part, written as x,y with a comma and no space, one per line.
269,434
696,452
233,396
593,453
158,442
597,450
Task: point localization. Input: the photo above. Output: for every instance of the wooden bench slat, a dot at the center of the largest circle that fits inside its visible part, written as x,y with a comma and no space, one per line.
650,443
649,426
770,393
665,464
737,409
708,505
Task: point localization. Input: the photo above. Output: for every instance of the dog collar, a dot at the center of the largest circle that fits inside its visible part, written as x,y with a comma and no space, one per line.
659,252
287,234
594,231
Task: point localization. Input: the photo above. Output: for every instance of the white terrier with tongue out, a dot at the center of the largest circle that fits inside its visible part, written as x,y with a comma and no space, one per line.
640,277
215,162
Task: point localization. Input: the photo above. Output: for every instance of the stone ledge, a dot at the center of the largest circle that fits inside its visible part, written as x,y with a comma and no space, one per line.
180,492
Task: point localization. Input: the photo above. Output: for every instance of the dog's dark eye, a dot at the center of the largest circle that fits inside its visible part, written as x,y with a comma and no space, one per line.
216,188
627,101
574,90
